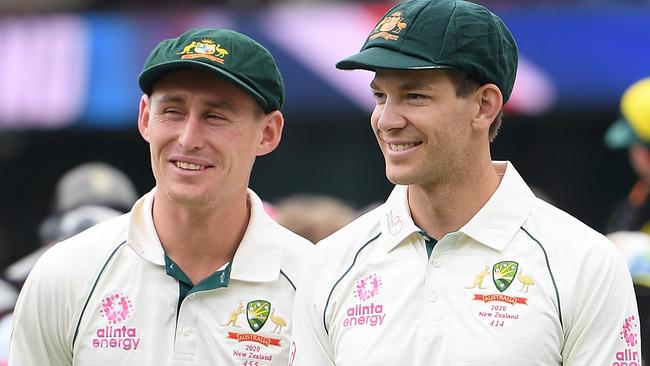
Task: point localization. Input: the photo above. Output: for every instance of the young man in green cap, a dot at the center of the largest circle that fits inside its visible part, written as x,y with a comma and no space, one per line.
197,273
462,265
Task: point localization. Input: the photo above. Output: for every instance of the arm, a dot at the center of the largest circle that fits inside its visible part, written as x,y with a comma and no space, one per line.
40,324
603,326
311,345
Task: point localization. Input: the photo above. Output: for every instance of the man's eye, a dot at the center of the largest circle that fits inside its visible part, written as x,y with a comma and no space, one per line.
172,111
413,96
213,116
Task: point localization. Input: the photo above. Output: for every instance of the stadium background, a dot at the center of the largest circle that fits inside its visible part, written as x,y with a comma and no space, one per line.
68,94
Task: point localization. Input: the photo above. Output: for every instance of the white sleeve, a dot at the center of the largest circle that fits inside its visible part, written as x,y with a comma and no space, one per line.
602,326
41,318
311,345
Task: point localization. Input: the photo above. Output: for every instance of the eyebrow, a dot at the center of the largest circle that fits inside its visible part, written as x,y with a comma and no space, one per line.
411,85
172,98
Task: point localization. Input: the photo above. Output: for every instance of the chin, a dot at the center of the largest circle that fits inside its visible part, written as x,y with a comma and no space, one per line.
397,177
186,197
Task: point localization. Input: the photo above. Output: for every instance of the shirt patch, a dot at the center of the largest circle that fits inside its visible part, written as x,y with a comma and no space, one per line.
629,333
362,313
116,308
252,348
502,308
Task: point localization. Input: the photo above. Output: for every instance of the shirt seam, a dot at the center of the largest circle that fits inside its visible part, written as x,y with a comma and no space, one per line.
92,290
548,266
341,278
288,279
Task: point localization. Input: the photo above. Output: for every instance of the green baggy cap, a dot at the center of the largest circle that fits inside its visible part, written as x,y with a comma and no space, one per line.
223,52
441,34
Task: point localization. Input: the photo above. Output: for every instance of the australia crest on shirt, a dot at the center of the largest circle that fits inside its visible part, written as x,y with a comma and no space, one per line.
255,329
500,292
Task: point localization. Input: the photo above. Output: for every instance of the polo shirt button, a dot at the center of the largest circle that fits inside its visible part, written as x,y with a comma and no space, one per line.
433,296
187,330
437,262
191,296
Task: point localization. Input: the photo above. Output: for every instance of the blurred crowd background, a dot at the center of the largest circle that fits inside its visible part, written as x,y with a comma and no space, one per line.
69,96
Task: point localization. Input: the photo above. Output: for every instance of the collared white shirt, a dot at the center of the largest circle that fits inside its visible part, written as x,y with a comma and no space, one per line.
522,283
110,295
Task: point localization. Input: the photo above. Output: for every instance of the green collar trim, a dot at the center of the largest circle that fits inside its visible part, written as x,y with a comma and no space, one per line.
216,280
428,241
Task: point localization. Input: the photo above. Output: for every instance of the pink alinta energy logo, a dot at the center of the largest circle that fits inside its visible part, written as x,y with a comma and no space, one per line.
367,287
116,308
364,314
629,356
630,337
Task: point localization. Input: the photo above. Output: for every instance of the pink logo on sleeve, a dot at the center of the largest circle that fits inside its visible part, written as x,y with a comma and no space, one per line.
630,337
630,355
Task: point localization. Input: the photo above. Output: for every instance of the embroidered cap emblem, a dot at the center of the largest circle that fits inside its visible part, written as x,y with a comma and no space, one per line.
205,48
503,273
389,27
257,313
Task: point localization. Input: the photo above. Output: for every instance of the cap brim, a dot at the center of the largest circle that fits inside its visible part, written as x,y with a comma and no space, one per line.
383,58
151,75
620,135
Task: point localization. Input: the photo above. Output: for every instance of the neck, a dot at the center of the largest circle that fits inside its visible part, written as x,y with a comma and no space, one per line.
448,206
201,240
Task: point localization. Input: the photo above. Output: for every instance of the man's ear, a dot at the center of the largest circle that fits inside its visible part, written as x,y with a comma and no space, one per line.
271,133
143,117
490,103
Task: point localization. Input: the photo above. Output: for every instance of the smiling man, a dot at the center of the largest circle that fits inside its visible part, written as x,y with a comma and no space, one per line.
462,265
197,273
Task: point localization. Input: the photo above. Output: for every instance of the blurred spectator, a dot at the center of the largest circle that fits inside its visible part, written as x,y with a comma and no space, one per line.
313,216
8,296
84,196
632,131
635,247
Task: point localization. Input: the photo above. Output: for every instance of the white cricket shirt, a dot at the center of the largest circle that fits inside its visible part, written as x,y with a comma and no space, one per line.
522,283
110,296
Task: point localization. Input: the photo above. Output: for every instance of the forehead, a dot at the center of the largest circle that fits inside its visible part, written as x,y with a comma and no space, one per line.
412,79
199,82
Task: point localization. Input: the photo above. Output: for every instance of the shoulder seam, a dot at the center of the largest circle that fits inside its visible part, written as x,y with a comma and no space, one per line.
288,279
92,290
340,278
548,266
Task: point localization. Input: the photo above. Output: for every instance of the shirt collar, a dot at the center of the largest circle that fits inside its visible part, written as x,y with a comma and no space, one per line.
142,235
396,221
493,225
259,255
497,222
257,259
